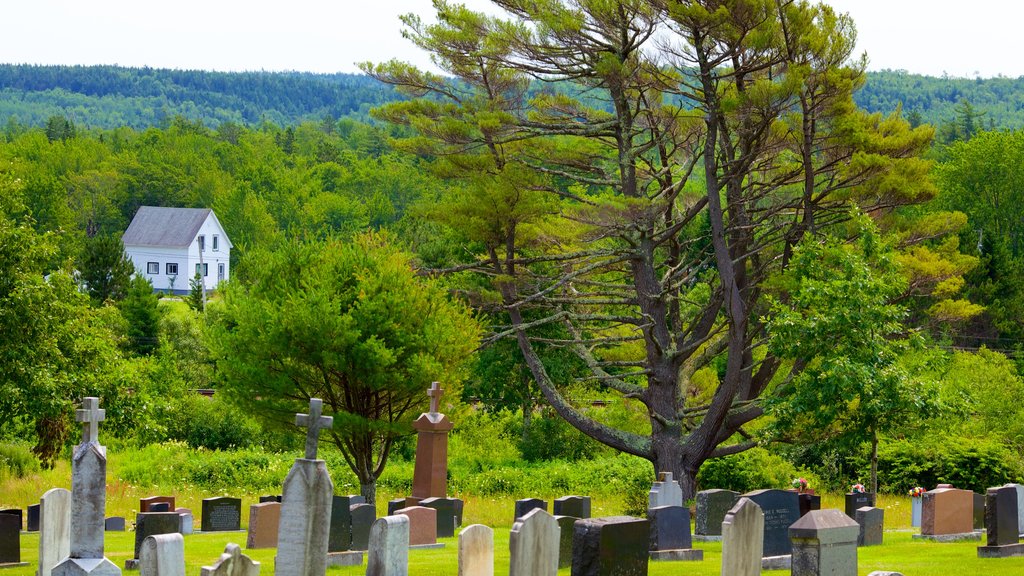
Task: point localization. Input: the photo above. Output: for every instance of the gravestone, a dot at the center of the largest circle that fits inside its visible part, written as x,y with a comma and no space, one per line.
114,524
742,539
610,546
445,508
422,525
270,498
395,504
824,542
915,512
146,503
533,545
363,517
340,537
221,514
10,540
151,524
459,507
389,547
665,492
162,555
186,521
872,523
670,534
476,551
159,507
855,500
430,474
566,527
575,506
14,512
979,511
306,500
781,509
88,499
712,506
264,520
232,563
1020,505
809,502
1001,527
947,511
526,504
32,519
54,529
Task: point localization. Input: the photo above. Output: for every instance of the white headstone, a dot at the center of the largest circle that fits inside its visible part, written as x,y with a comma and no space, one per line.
533,545
389,547
476,551
232,563
743,539
665,492
162,555
54,529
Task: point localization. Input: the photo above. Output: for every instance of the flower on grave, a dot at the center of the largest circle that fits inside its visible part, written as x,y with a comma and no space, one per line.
857,489
800,484
916,492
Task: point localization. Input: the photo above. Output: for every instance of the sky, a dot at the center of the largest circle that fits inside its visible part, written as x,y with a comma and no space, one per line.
933,37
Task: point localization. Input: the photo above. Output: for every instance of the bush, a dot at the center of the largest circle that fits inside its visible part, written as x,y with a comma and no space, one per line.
751,470
17,461
549,437
968,463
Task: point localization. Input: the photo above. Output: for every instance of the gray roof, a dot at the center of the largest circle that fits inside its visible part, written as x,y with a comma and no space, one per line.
156,226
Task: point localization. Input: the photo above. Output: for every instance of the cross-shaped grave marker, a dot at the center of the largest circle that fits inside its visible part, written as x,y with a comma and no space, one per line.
90,415
435,391
314,422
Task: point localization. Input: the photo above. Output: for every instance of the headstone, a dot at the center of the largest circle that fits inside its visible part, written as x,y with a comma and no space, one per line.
1020,505
445,508
151,524
306,505
742,539
221,514
947,511
159,507
809,502
88,499
389,547
32,522
1001,528
162,555
459,507
712,506
270,498
263,523
566,528
979,511
422,525
575,506
476,551
670,534
10,540
824,542
781,509
915,512
363,517
186,521
610,546
232,563
54,529
14,512
145,504
872,523
526,504
114,524
533,545
395,504
340,537
430,475
855,500
665,492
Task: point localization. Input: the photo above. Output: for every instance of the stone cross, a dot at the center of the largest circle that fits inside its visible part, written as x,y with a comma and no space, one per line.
314,422
90,415
435,391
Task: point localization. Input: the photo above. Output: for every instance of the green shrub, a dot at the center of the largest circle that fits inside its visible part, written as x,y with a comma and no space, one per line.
750,470
17,461
549,437
968,463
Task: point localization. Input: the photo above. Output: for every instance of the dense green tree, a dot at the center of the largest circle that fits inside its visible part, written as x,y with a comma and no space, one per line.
105,269
139,308
196,294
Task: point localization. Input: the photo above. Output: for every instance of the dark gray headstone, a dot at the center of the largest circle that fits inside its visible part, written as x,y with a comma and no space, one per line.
153,523
872,523
459,506
340,537
363,517
445,508
146,503
565,526
114,524
809,502
221,514
270,498
396,504
10,538
712,506
575,506
526,504
14,512
610,546
781,509
1001,518
33,518
670,528
979,511
159,507
858,500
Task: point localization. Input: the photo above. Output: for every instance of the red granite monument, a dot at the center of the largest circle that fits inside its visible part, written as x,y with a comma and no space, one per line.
430,476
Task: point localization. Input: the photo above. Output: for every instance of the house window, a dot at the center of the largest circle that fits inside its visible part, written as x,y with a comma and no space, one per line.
215,243
152,267
172,268
206,268
220,267
202,243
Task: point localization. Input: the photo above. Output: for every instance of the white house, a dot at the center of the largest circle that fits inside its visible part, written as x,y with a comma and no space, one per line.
170,245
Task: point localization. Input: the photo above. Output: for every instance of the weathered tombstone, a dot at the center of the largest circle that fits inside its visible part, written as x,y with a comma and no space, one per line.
395,504
151,524
270,498
54,529
565,532
306,505
363,517
422,525
524,505
445,508
10,541
742,539
145,504
476,551
610,546
781,509
162,555
159,507
1001,528
221,514
14,512
430,474
232,563
670,534
186,521
88,499
389,547
340,537
712,506
979,511
114,524
264,520
32,518
872,522
533,545
824,542
575,506
855,500
947,512
665,492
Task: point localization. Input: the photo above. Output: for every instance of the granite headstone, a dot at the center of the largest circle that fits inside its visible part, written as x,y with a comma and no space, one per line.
533,545
526,504
872,523
476,551
32,519
264,520
152,523
54,529
363,517
781,509
665,491
824,543
221,514
855,500
146,503
162,555
445,508
114,524
712,506
742,539
575,506
389,547
565,531
610,546
10,539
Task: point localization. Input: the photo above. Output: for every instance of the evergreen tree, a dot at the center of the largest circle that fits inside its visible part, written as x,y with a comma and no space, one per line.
195,295
105,269
139,309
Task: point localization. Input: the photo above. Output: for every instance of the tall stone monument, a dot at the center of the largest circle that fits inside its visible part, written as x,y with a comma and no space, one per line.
306,505
88,499
430,477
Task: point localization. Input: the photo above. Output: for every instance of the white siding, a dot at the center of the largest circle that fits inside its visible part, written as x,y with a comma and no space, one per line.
187,258
141,256
212,258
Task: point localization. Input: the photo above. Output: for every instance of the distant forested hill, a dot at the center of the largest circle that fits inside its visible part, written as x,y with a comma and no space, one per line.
112,96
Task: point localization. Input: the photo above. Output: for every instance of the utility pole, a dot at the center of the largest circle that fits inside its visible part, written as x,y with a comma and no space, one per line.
202,271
